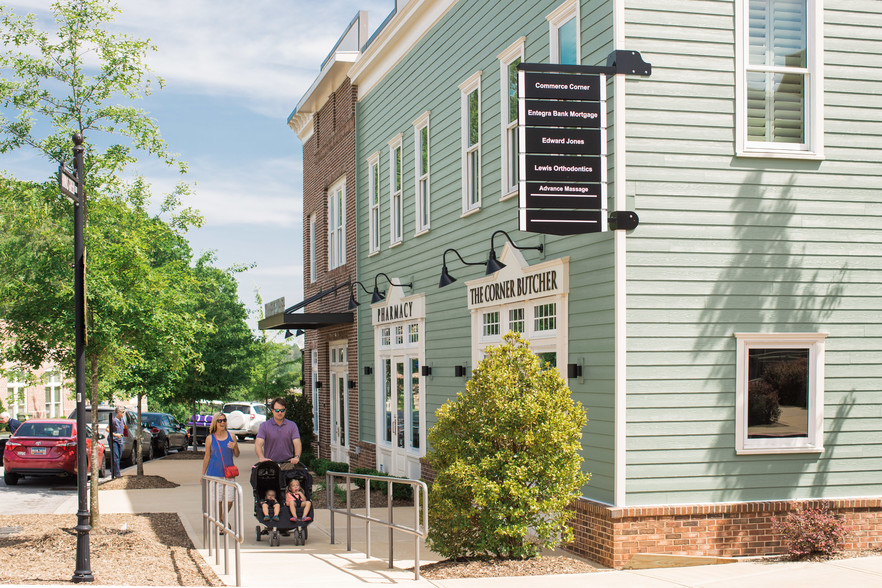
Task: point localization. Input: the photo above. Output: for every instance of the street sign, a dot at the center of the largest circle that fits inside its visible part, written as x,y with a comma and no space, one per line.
565,168
562,86
563,113
67,182
571,141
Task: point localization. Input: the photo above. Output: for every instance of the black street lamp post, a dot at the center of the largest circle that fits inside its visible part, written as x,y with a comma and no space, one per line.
83,572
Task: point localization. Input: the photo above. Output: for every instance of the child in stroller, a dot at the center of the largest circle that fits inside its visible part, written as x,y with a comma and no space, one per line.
297,501
266,476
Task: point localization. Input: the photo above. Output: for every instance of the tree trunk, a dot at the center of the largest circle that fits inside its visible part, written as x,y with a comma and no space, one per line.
138,437
94,480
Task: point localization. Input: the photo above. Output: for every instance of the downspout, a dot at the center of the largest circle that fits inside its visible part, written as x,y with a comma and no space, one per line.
620,249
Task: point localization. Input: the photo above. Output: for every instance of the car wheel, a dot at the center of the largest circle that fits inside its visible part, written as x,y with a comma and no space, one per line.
162,448
10,478
241,437
150,453
102,470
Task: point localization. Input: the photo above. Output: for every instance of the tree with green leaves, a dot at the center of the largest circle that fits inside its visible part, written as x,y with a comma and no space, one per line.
506,453
79,77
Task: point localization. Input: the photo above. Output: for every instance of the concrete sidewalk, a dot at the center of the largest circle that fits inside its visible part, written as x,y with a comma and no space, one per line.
318,563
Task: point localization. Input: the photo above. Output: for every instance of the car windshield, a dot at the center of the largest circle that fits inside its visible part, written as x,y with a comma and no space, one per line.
240,407
44,430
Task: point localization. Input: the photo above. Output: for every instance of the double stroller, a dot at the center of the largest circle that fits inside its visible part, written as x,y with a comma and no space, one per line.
267,475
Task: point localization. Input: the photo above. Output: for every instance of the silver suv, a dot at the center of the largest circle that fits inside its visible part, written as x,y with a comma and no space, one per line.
244,418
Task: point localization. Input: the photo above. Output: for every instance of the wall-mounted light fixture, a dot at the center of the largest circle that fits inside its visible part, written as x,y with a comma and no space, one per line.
298,332
288,334
368,370
377,296
446,278
352,384
574,370
459,371
318,384
493,264
353,303
426,370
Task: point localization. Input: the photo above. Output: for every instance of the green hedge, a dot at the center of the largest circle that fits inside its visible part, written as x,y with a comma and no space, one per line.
322,466
402,491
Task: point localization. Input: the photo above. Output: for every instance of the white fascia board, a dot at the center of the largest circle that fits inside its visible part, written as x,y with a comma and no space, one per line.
329,79
398,37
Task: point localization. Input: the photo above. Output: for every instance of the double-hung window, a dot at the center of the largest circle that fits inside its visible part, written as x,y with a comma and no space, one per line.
312,243
396,206
779,400
471,142
53,395
374,195
337,224
780,78
421,157
564,35
508,83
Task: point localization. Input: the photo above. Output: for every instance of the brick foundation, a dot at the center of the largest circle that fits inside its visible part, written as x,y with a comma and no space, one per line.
611,535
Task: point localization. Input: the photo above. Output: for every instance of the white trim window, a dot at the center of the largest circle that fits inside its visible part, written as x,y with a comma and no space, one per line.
470,106
396,206
374,195
312,243
337,224
53,395
780,82
779,398
15,394
508,99
564,36
421,171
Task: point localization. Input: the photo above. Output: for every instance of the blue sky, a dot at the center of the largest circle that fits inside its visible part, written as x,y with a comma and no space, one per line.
233,71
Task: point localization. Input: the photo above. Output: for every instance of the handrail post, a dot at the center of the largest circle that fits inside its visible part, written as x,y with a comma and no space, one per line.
367,521
329,498
391,520
348,514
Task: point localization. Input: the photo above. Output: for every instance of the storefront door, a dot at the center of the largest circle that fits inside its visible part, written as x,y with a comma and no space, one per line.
339,405
401,413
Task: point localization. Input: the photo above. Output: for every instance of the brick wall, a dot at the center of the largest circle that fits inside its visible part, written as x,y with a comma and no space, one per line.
328,156
612,535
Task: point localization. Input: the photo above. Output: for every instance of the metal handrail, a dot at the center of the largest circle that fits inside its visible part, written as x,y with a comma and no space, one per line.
214,521
418,531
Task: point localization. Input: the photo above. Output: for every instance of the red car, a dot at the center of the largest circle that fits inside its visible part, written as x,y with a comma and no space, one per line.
45,447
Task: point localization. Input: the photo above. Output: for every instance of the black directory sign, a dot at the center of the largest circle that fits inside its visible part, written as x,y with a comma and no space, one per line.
562,158
562,86
564,195
571,141
571,222
562,113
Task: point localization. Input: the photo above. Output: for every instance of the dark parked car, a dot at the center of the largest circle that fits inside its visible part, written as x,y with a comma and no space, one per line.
45,447
168,433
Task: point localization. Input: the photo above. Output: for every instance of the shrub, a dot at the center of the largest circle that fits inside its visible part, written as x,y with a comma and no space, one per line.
322,466
506,454
811,531
300,411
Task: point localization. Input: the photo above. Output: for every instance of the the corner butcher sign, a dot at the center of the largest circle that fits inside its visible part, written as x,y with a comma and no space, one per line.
562,125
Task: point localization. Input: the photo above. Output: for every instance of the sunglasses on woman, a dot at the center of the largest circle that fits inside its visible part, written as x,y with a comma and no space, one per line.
221,420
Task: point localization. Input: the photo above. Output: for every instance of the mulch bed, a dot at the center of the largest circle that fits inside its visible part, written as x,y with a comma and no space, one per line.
135,482
186,454
128,549
357,498
495,568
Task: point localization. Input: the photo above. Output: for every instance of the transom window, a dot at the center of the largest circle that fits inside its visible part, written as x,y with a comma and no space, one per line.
491,324
545,317
516,320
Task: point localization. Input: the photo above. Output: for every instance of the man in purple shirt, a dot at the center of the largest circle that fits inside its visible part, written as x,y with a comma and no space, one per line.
278,439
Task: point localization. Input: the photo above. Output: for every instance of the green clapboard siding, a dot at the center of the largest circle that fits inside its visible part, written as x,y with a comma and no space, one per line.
731,244
468,39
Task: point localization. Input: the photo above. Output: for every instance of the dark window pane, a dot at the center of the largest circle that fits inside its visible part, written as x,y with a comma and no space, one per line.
777,393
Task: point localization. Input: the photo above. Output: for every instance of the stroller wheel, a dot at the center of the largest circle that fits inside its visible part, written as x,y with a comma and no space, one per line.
257,528
305,531
298,538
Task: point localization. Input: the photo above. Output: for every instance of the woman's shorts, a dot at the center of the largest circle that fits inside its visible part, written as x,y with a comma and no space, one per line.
222,491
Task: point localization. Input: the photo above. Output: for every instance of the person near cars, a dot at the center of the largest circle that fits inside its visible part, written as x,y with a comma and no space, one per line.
11,423
117,430
278,439
220,450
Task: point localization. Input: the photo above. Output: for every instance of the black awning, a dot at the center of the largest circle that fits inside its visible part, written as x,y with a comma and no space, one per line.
306,320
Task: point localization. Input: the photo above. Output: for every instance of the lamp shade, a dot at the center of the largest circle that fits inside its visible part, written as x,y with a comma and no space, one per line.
353,303
493,264
446,279
377,296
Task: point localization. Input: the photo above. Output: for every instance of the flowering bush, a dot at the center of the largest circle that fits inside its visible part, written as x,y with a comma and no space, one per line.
506,453
812,531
